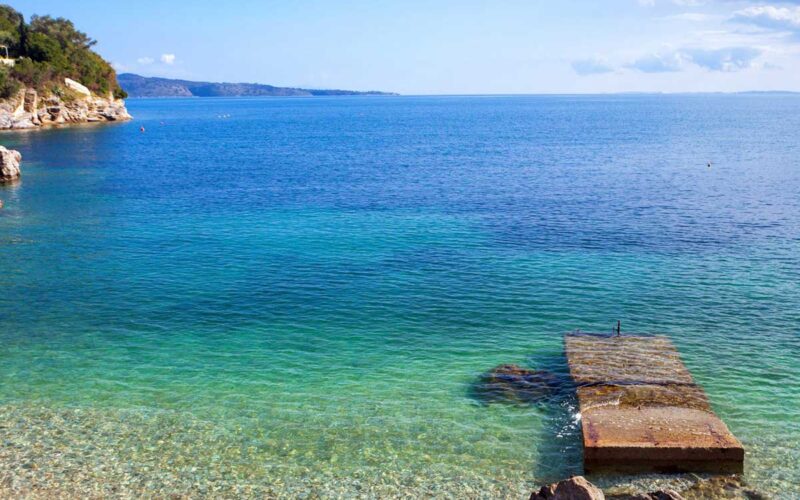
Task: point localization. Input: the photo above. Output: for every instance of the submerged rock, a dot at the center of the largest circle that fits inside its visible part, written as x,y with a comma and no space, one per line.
732,487
722,487
574,488
514,384
656,495
9,164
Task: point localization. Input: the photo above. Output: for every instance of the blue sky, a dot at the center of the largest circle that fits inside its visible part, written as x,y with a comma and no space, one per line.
452,47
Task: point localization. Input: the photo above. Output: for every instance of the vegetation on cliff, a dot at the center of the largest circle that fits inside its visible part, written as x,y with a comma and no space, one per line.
46,51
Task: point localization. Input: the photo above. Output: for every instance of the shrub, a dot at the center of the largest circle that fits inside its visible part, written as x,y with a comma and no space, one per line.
31,73
8,85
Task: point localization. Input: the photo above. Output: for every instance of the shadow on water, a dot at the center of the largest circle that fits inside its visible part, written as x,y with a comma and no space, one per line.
543,382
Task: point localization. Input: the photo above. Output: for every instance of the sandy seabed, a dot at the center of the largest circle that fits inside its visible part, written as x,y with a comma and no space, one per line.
94,453
110,453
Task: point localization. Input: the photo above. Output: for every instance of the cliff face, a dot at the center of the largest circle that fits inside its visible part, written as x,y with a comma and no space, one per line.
78,105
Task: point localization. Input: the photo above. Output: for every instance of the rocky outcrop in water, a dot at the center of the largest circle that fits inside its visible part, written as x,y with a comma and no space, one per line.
574,488
9,165
514,384
28,109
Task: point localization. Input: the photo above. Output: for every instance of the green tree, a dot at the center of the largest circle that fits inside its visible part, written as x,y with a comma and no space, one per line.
42,48
63,31
50,49
10,21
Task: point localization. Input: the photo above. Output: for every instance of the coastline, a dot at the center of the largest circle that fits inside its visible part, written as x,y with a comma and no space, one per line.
28,110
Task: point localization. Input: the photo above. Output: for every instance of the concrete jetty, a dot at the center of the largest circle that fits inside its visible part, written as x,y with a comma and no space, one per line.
642,411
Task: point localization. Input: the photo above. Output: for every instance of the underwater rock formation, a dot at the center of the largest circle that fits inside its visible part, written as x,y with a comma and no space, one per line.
514,384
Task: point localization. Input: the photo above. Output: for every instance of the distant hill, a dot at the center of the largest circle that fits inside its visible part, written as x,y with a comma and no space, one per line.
141,86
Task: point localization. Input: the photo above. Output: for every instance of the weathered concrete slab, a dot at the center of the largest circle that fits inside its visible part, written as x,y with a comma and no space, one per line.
640,408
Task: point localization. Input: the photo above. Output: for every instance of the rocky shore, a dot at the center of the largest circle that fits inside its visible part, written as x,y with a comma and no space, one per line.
74,104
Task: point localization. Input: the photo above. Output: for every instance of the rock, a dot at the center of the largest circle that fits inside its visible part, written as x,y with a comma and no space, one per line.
30,101
544,493
656,495
28,109
722,487
512,383
9,164
574,488
77,87
23,121
713,487
666,495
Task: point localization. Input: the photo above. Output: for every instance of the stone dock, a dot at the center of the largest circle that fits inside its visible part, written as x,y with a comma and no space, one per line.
642,411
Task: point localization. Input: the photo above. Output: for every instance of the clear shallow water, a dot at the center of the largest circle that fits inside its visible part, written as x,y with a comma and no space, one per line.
299,297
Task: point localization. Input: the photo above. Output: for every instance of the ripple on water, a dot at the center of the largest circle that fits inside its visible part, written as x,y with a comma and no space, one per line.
312,319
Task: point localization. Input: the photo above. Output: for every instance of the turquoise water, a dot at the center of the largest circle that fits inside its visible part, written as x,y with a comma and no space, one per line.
295,296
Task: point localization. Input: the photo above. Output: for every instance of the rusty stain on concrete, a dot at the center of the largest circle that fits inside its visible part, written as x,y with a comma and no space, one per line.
641,410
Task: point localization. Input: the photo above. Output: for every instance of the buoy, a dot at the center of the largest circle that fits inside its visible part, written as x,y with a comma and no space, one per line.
141,129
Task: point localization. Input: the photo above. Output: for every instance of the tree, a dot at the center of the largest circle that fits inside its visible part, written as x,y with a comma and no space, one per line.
22,38
63,31
50,49
10,20
42,48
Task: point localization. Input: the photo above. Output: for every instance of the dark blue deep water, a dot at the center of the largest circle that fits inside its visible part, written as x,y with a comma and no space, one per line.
295,296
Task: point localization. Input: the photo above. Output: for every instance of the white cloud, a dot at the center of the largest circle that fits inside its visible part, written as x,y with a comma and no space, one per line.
168,58
770,17
662,62
145,61
591,67
727,59
682,3
695,17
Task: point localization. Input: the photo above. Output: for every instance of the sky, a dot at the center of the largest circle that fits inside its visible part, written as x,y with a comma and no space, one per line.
451,46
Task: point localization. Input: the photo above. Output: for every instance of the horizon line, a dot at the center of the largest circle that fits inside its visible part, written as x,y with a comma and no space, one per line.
389,94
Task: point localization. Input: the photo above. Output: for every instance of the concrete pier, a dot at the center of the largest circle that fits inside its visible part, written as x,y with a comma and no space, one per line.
641,410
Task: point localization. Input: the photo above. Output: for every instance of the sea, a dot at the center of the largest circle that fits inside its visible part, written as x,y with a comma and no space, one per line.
298,297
